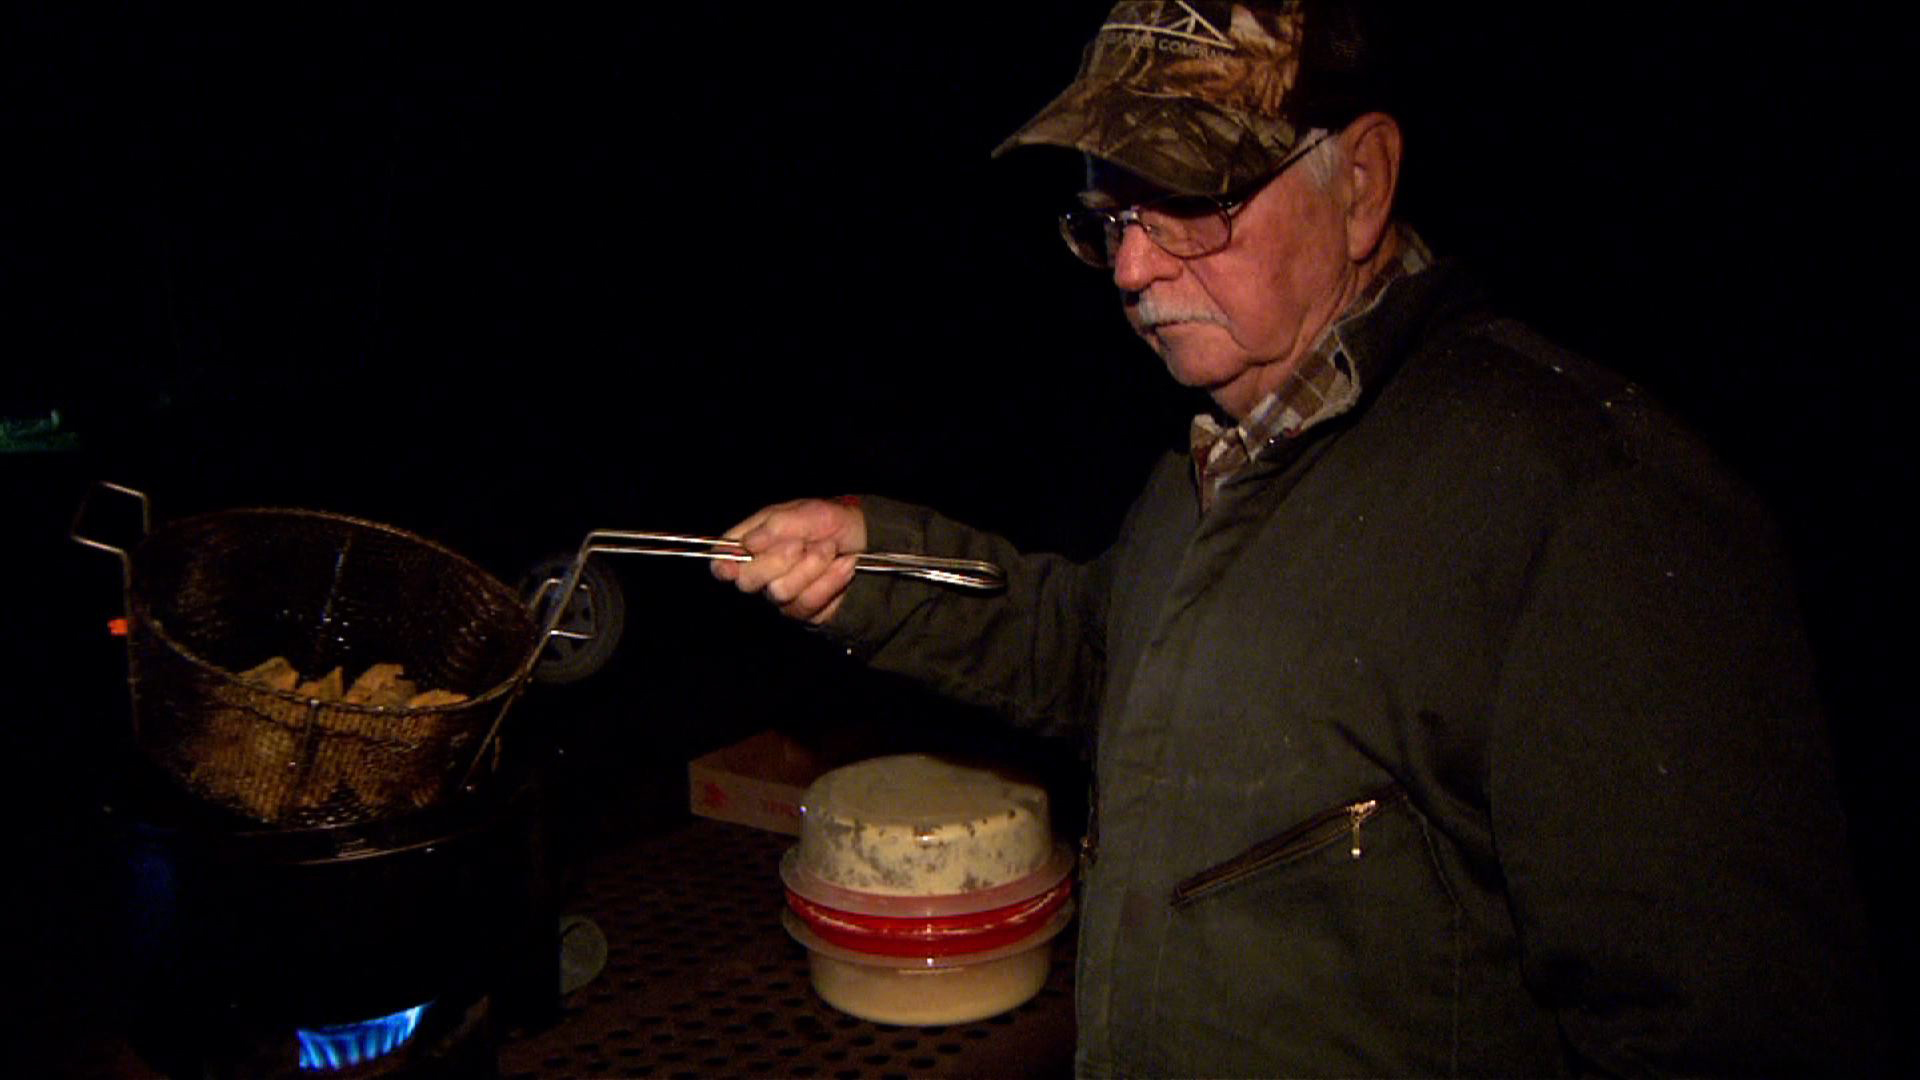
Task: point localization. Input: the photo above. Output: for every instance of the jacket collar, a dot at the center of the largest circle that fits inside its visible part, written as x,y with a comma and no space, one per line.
1353,354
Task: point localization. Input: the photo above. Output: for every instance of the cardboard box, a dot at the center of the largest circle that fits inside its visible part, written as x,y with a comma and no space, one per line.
757,781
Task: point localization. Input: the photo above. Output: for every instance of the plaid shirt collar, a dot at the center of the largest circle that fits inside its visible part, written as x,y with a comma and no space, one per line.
1323,385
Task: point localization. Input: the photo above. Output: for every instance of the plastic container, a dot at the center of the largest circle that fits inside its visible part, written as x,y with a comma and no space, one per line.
871,890
917,991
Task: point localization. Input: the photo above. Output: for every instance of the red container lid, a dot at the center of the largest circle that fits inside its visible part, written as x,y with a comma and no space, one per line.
803,883
801,931
942,935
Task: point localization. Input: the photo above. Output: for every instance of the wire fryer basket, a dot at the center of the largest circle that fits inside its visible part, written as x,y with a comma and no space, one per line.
214,595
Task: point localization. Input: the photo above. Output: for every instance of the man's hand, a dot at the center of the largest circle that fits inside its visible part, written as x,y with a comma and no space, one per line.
803,555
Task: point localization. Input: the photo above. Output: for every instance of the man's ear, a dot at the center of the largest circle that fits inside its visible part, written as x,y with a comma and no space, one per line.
1373,145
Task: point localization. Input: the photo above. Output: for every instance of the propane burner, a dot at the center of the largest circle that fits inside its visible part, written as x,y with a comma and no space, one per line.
246,949
344,1046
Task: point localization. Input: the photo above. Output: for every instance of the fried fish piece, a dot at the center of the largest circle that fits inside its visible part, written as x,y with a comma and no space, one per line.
382,684
427,699
275,674
329,687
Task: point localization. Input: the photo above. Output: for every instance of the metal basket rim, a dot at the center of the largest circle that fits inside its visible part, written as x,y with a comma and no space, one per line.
141,618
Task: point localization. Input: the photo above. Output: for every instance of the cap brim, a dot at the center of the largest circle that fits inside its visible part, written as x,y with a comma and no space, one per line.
1180,143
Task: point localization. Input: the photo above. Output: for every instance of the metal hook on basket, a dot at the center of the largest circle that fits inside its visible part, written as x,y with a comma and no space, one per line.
146,526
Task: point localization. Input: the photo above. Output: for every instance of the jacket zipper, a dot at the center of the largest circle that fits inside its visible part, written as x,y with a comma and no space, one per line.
1318,831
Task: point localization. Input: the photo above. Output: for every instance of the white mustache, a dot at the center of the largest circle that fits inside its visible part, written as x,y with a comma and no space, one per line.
1150,312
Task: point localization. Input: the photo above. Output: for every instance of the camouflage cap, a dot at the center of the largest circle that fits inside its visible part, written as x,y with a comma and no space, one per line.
1202,98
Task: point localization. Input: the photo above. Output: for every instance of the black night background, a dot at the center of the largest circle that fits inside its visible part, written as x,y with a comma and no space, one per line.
501,275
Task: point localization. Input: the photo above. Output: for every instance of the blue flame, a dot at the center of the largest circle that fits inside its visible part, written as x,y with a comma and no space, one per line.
343,1046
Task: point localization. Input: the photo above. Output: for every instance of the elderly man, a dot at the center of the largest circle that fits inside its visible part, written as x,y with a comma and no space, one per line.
1449,709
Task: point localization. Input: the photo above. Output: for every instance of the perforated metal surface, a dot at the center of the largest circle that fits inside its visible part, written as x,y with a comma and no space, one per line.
701,981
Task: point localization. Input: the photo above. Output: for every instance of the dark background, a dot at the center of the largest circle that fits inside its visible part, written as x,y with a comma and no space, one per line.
504,276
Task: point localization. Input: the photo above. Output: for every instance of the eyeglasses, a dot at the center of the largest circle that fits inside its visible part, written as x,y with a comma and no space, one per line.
1184,226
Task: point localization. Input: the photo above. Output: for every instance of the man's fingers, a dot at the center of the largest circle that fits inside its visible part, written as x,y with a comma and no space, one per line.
817,602
766,566
758,518
732,570
802,571
802,557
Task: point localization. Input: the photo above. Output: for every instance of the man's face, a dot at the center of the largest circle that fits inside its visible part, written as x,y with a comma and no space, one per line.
1235,323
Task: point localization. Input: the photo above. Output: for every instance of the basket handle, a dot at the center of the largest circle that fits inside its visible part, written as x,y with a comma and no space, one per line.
969,574
146,526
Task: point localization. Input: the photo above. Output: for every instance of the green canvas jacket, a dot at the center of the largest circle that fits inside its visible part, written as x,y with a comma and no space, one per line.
1474,734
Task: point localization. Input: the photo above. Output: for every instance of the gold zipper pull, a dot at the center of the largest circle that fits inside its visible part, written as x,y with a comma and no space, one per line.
1356,814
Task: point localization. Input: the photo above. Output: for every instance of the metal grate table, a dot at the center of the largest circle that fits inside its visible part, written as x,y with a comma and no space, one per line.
702,981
